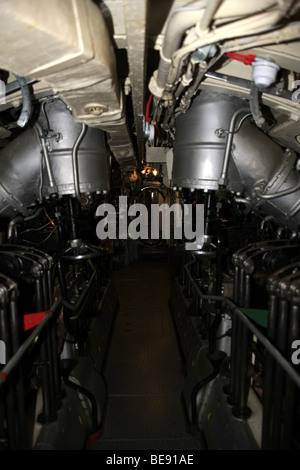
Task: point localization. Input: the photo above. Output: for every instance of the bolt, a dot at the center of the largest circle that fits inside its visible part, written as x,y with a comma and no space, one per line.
123,153
220,133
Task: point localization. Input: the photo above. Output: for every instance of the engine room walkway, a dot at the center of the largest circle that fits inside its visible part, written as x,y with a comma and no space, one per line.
143,369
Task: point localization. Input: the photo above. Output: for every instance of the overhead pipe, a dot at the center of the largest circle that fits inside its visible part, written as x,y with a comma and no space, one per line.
178,22
248,25
249,161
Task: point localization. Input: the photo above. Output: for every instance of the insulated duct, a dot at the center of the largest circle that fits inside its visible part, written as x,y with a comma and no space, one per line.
269,176
257,166
55,156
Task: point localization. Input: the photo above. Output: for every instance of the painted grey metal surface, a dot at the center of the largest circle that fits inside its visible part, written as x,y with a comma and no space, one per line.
93,157
256,164
19,169
135,12
24,176
200,142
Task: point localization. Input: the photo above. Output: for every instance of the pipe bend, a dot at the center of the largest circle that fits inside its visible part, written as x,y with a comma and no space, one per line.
248,204
75,161
178,22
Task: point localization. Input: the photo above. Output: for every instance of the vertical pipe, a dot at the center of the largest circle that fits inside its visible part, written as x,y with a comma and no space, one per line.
50,354
50,285
268,399
57,389
76,175
236,284
45,291
218,291
291,391
39,295
19,386
241,409
52,340
185,276
230,389
188,281
3,420
72,219
237,364
279,376
233,362
9,393
289,414
45,416
247,290
196,303
241,384
242,287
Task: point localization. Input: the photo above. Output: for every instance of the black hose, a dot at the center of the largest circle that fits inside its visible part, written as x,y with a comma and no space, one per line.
73,227
255,108
217,320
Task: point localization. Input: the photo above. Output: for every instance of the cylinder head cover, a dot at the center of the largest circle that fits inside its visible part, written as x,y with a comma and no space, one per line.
92,154
200,142
23,172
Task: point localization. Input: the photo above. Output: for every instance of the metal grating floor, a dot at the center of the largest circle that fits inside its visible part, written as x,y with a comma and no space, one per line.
143,370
